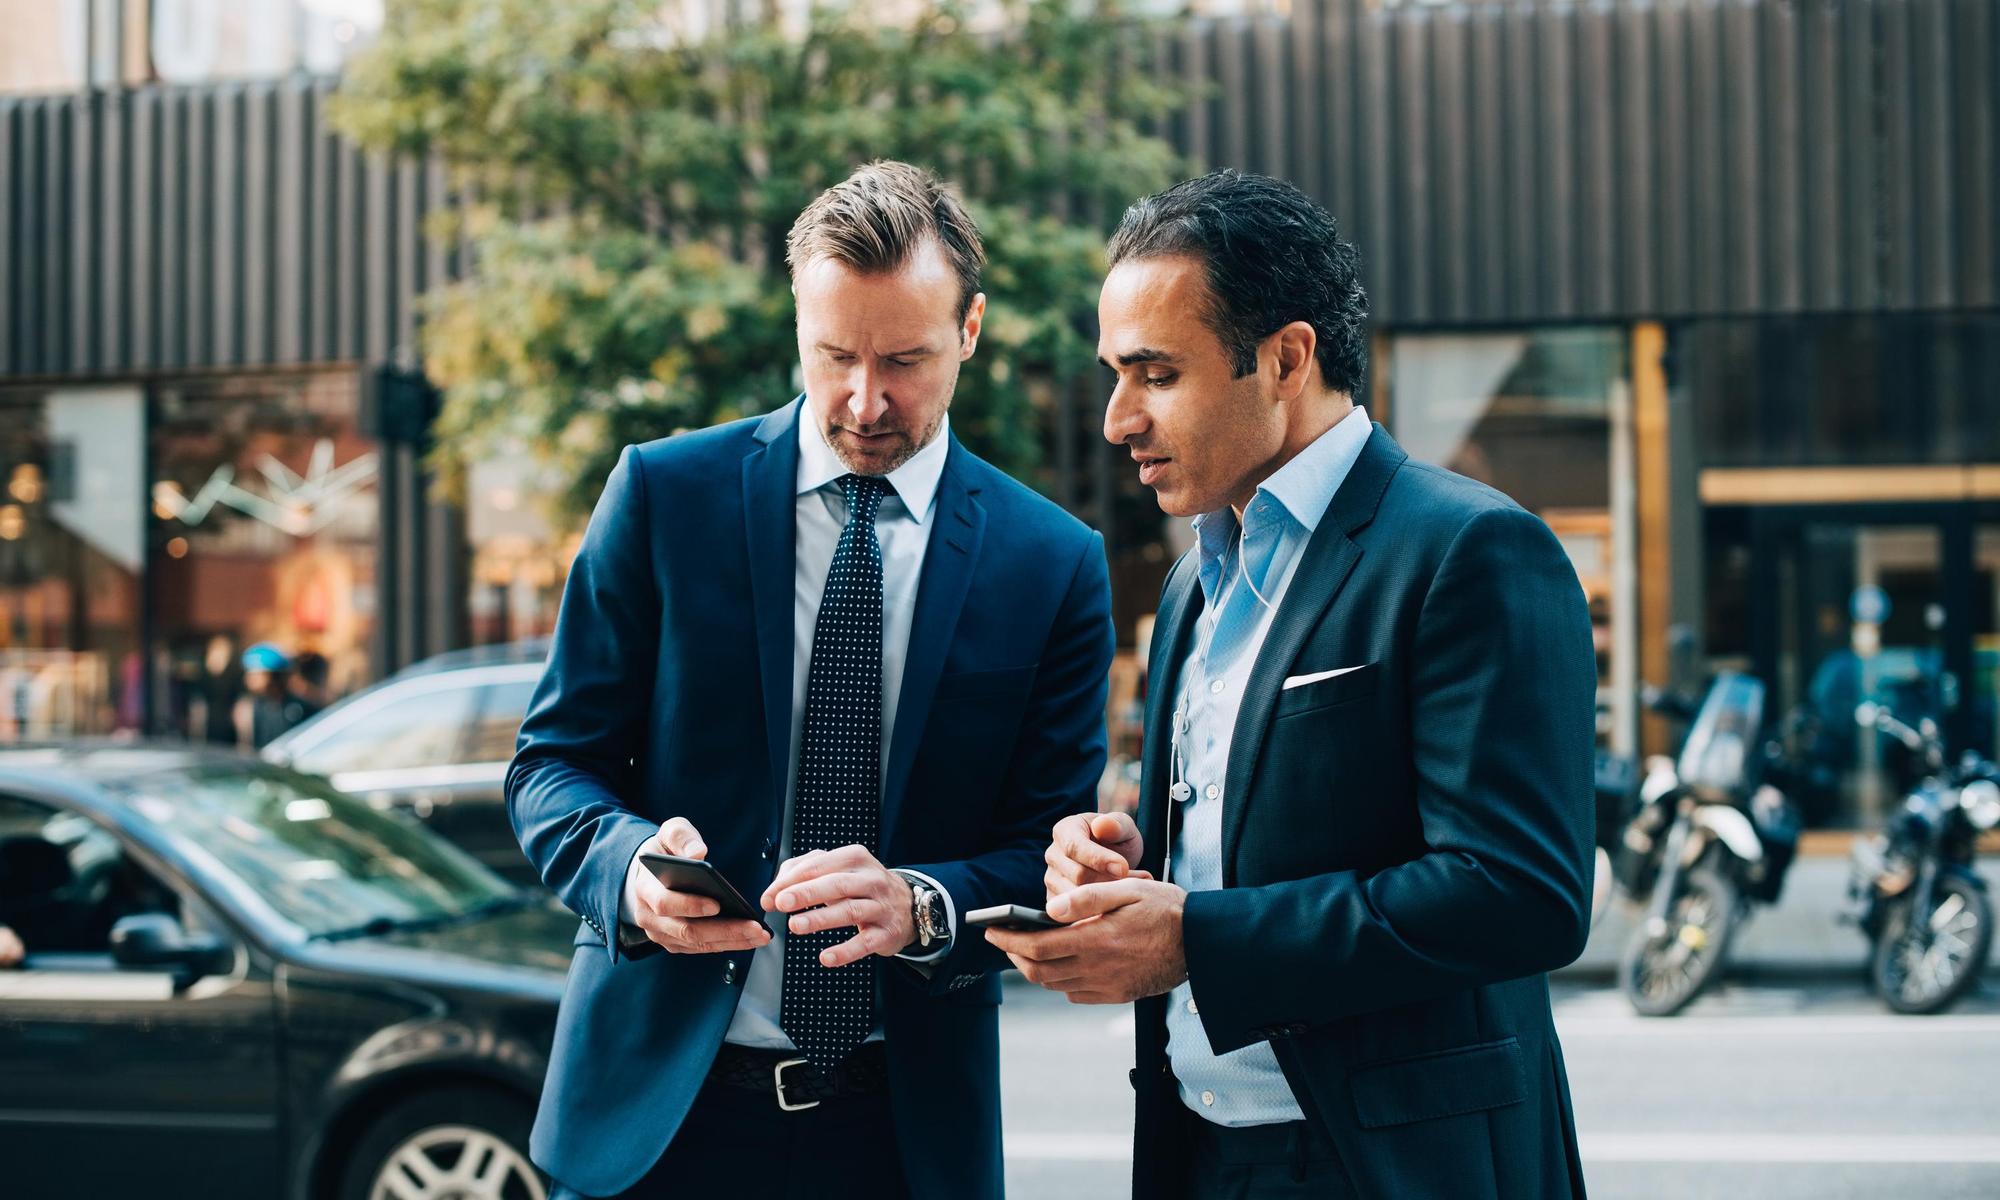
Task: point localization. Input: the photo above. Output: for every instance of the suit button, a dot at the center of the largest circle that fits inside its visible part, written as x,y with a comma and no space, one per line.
770,847
729,971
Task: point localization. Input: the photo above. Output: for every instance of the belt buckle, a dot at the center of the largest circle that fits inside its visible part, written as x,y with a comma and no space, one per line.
778,1085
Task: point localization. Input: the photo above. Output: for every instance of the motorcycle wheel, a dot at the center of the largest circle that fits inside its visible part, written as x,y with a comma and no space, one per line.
1662,975
1923,968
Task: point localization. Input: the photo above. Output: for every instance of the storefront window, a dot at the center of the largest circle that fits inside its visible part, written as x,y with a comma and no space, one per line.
1544,416
71,561
265,519
519,562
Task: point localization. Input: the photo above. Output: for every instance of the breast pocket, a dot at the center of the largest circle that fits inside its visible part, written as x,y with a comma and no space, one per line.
1344,688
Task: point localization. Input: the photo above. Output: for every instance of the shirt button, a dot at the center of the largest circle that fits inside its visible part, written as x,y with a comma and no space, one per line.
1190,1005
1182,724
1213,791
1215,689
1208,1098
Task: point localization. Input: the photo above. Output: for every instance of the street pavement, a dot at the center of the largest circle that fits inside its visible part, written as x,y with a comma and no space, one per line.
1788,1080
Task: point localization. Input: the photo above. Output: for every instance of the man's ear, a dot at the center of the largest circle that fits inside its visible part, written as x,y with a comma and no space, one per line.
968,332
1295,346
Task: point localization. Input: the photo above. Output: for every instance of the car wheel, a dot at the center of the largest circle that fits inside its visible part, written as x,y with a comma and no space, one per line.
451,1144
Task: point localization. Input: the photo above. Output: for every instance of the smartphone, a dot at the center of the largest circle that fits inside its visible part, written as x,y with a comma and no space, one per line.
701,878
1017,917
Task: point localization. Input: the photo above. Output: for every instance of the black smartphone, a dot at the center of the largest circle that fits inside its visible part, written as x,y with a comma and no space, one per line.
701,878
1017,917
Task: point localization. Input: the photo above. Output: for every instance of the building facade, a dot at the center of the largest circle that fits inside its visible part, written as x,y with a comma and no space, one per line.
1711,285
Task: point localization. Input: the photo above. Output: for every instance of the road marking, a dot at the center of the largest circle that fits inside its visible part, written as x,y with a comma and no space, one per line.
1794,1024
1786,1148
1069,1147
1813,1148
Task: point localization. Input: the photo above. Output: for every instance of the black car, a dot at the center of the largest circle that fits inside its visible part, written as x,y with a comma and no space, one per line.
433,741
241,982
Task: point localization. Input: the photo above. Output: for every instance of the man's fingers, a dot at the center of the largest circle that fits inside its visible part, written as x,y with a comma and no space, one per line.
670,903
705,935
853,950
1042,945
826,889
1073,841
810,865
1117,830
1094,899
678,835
838,915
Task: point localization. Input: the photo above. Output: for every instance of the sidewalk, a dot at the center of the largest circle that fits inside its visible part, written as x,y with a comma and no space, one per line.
1799,935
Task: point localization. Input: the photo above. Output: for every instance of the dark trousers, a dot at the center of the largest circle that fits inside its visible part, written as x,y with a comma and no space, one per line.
738,1144
1266,1162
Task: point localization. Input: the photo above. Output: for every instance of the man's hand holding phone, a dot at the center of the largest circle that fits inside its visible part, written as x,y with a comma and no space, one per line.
682,922
1092,848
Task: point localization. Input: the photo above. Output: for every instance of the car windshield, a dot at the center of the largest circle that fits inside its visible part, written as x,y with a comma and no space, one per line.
327,862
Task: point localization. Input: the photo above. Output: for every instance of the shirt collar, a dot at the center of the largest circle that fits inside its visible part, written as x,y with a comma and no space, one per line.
1303,487
915,482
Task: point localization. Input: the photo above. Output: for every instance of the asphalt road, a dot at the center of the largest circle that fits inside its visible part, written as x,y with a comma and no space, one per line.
1778,1085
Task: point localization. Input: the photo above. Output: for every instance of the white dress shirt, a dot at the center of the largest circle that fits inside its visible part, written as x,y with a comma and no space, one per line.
902,527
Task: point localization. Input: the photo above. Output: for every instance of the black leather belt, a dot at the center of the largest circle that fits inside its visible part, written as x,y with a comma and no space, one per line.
796,1083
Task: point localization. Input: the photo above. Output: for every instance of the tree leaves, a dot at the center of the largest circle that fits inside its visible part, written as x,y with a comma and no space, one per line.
627,188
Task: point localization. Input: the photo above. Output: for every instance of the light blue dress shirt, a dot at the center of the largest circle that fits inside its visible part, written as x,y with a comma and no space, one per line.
1244,573
902,527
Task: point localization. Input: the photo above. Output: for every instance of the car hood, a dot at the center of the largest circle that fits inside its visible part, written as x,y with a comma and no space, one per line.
527,949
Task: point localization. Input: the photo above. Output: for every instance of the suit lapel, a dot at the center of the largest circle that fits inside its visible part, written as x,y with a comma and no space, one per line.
1173,629
770,484
957,527
1324,567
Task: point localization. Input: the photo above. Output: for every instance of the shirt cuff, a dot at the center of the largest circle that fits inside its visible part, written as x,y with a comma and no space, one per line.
629,933
950,916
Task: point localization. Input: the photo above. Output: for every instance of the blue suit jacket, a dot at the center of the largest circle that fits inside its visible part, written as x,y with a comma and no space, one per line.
1407,845
668,692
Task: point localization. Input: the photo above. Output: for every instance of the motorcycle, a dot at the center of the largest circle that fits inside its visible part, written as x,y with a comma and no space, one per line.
1624,786
1916,893
1708,840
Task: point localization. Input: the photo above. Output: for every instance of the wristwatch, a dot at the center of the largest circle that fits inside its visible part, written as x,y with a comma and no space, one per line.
927,910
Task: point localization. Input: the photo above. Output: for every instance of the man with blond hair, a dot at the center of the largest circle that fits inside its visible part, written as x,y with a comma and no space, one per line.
862,673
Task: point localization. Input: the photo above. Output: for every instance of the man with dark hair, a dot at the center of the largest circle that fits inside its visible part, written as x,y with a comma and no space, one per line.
1364,827
804,647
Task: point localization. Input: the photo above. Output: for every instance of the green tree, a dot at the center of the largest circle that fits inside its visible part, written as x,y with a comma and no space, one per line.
627,186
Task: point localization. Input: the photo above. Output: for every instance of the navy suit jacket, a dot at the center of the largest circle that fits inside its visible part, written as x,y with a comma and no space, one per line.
1406,846
668,692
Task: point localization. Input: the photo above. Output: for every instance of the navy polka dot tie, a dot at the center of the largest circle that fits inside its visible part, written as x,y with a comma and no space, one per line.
827,1012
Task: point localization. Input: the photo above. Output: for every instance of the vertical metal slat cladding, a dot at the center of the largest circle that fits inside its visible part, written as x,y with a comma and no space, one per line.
1496,163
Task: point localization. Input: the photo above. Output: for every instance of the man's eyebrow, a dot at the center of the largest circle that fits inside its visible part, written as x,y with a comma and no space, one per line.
1144,354
912,352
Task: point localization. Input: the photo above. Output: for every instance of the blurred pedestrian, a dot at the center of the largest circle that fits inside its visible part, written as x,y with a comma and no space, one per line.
268,707
310,671
11,949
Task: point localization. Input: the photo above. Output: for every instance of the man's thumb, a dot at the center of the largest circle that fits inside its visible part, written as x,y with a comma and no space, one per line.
1109,829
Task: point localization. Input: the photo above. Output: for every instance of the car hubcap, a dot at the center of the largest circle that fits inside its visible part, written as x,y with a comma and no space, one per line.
456,1162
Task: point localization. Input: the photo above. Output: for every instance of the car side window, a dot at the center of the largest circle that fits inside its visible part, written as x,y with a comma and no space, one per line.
64,882
501,708
422,729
